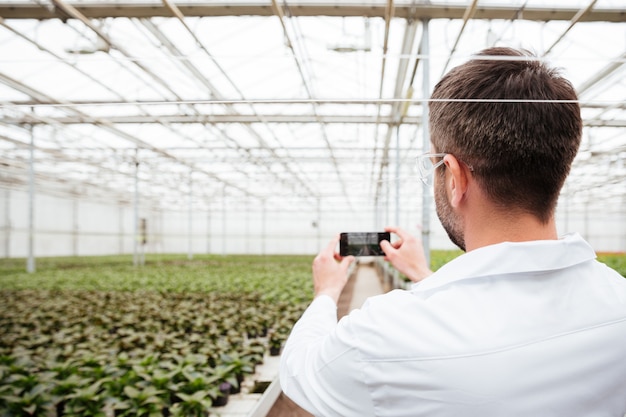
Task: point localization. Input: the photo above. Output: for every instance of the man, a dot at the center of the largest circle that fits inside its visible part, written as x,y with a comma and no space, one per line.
525,323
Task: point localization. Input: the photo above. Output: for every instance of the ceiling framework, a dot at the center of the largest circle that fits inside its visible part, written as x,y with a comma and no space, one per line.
403,10
298,105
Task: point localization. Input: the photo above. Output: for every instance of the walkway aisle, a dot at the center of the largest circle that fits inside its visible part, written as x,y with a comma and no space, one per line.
365,283
272,403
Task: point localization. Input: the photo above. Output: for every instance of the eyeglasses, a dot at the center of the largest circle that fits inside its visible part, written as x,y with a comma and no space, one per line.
426,165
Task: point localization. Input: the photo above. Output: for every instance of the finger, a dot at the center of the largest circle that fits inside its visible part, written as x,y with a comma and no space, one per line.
404,235
346,261
388,248
401,233
394,245
332,245
391,229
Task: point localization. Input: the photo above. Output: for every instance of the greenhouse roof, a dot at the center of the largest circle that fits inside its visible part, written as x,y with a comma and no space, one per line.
289,103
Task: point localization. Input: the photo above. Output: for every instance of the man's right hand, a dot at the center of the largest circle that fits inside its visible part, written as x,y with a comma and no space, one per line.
406,255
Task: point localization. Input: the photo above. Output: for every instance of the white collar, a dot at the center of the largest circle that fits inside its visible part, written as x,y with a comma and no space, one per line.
510,258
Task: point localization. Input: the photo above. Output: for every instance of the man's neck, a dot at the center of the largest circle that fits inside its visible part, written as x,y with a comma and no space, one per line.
493,227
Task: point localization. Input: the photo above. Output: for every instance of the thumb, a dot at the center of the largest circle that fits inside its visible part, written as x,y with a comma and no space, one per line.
386,246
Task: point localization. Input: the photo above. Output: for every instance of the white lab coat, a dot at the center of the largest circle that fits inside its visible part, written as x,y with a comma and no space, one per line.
515,329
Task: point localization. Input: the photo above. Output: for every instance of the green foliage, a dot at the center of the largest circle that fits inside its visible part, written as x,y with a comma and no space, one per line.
285,278
439,258
617,261
194,405
97,336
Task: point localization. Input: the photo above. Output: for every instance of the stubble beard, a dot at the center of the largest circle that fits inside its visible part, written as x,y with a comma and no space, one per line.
448,219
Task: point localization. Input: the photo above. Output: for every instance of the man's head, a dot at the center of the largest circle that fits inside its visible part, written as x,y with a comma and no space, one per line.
503,121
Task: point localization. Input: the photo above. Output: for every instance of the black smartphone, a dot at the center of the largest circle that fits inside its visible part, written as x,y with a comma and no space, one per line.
362,243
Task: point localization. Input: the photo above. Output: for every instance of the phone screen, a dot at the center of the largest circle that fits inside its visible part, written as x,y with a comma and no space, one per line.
362,243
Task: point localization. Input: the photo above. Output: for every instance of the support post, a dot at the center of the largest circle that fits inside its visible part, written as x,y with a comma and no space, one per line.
397,179
208,230
377,214
7,223
319,223
247,226
136,212
120,220
387,186
75,226
190,221
30,261
263,232
622,213
224,221
426,190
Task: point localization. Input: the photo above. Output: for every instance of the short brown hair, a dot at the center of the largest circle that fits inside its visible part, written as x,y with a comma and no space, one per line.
520,151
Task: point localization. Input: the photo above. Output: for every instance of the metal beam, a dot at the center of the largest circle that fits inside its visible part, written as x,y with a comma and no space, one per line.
225,118
28,10
603,74
577,18
69,10
591,104
108,126
467,15
197,74
396,112
301,61
251,119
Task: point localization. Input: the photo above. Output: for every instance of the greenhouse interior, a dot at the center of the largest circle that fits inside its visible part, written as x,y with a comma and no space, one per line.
178,131
268,127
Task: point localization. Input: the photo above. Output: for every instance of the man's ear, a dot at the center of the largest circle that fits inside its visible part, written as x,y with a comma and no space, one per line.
456,180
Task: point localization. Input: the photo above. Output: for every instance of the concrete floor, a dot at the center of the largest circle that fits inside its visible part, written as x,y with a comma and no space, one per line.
366,284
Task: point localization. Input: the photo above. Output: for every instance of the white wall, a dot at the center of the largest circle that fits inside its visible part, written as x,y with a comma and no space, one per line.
602,225
68,226
63,226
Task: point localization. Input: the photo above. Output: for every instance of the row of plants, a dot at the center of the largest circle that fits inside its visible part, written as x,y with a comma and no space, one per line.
273,277
177,339
121,386
615,260
99,337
